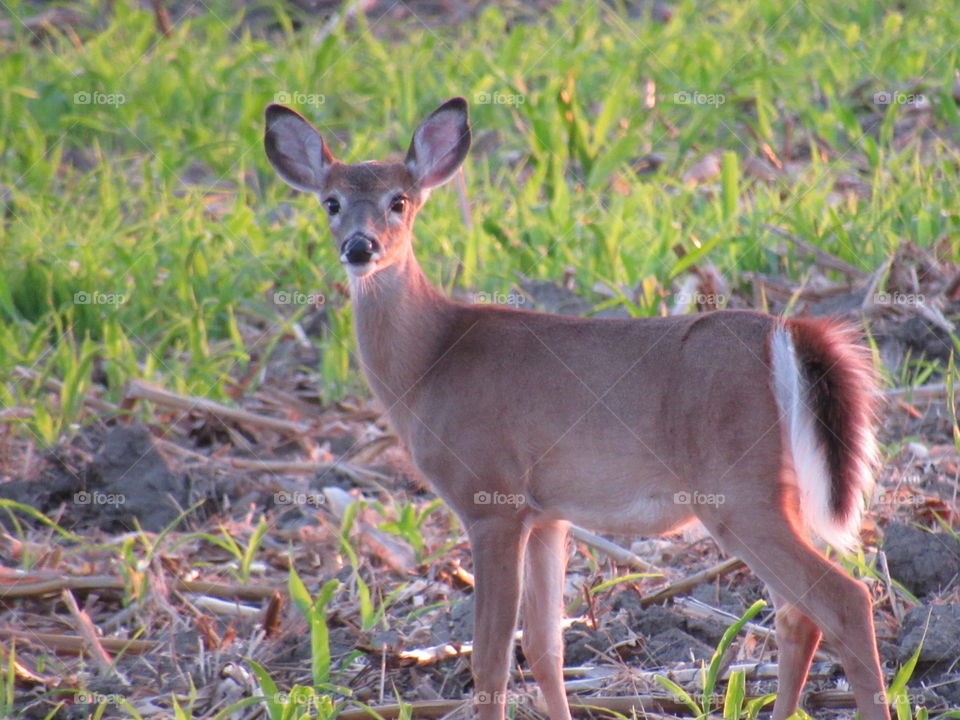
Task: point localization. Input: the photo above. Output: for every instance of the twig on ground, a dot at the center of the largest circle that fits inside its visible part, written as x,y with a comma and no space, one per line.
72,644
933,391
85,627
224,607
363,476
597,678
823,700
895,604
368,451
138,389
691,607
436,653
617,553
688,583
45,583
421,709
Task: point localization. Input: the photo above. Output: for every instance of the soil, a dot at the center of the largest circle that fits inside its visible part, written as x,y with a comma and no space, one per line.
127,484
925,562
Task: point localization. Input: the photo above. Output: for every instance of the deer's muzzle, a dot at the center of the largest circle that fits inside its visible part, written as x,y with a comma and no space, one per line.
359,249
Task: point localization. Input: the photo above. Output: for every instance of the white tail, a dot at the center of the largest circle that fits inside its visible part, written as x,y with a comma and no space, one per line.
835,521
526,422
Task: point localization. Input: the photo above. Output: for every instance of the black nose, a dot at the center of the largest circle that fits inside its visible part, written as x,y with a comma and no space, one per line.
358,249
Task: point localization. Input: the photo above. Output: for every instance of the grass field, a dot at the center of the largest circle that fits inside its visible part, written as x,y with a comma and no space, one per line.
141,219
144,236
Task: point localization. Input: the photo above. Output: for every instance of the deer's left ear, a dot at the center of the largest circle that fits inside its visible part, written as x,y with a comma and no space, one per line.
440,144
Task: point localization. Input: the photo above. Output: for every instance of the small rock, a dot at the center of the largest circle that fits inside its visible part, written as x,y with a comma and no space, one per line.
924,562
703,170
648,164
942,641
762,170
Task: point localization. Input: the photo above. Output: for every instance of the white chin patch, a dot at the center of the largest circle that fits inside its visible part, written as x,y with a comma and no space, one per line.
361,271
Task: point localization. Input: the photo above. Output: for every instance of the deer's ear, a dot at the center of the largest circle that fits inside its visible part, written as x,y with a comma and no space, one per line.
295,149
440,144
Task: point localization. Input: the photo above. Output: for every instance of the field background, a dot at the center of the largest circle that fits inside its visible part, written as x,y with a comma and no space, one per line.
628,159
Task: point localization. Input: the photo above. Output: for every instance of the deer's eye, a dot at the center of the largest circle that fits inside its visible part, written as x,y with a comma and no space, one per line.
332,205
398,204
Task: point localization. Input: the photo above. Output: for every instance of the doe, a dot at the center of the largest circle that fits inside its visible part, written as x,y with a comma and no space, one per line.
526,422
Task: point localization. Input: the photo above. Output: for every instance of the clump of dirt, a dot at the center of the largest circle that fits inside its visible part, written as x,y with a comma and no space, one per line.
937,627
126,483
924,562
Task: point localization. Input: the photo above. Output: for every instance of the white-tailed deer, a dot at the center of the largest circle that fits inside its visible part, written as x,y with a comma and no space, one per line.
525,422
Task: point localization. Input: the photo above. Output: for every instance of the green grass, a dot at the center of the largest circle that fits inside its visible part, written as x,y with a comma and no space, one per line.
172,271
127,267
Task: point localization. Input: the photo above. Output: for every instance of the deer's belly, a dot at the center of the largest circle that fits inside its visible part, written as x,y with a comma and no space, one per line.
642,515
621,494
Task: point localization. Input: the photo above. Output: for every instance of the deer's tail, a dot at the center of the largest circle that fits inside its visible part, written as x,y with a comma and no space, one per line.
824,384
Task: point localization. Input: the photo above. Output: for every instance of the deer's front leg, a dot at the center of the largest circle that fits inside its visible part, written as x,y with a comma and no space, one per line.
497,544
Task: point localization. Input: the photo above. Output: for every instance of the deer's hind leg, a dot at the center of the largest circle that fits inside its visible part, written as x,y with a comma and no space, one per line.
797,640
813,595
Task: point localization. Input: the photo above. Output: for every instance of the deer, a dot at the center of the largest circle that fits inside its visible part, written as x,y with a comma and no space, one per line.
759,427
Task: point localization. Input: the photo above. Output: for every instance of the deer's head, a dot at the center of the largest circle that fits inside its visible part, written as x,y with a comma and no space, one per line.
370,206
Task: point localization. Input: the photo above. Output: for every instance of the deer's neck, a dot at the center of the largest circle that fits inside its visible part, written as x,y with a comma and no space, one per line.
400,321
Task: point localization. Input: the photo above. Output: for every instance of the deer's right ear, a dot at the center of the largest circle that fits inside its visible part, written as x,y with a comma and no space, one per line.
295,149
